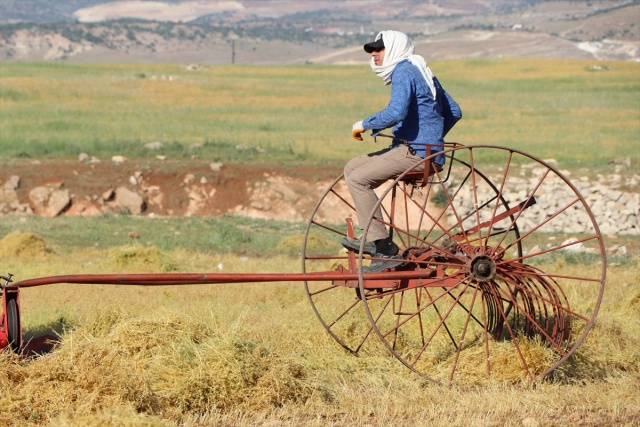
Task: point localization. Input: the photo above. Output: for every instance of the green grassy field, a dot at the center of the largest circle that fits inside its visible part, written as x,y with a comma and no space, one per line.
550,108
255,354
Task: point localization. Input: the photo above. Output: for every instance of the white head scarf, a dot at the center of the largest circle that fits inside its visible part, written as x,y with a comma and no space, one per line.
398,47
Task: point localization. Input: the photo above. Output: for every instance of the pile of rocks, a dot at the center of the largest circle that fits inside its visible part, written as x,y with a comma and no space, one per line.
614,209
53,199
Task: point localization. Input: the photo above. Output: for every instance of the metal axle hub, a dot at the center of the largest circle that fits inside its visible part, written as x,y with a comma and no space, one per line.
483,268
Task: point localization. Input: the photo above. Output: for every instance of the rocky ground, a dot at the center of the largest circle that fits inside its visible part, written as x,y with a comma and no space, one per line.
89,186
159,187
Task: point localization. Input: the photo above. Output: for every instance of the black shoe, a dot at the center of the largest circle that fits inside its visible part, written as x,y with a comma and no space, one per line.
386,247
379,265
354,245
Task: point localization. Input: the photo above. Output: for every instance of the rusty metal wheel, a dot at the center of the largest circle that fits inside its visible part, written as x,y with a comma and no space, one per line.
13,325
512,269
338,307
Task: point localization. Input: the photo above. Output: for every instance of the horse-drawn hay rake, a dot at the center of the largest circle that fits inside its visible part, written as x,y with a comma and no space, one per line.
486,287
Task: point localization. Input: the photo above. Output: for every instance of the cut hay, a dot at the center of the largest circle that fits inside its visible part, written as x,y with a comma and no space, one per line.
316,243
18,244
168,367
504,364
141,258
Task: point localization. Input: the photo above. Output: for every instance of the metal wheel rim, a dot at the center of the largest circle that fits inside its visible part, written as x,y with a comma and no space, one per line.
596,235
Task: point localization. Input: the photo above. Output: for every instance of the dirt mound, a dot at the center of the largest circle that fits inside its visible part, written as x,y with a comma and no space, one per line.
168,188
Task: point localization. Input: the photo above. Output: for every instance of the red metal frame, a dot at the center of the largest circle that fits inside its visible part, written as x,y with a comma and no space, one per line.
4,335
9,294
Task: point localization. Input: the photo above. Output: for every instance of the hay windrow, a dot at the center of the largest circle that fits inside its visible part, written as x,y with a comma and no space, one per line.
141,258
165,366
23,245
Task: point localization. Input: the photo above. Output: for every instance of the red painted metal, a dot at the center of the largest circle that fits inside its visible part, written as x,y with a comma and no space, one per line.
10,327
376,279
4,337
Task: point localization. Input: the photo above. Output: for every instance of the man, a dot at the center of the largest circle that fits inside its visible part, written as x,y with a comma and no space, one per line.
420,112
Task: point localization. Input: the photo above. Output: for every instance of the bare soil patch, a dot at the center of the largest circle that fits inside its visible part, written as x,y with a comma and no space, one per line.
172,187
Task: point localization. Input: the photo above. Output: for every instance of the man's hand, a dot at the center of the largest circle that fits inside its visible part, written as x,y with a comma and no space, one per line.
357,130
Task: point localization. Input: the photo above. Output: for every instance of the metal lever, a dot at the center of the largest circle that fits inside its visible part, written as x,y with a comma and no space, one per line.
7,279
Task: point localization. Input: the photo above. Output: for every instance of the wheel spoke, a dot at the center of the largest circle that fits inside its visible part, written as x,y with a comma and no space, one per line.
462,336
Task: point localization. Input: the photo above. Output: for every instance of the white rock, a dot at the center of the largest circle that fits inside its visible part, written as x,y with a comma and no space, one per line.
58,201
129,200
13,183
155,145
573,246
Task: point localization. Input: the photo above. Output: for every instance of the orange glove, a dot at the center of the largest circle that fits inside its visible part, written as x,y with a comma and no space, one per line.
357,130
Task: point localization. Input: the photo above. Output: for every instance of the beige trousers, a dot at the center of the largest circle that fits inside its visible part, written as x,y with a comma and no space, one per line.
365,173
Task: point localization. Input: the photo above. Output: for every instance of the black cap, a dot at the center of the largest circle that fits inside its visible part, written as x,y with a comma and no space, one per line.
374,46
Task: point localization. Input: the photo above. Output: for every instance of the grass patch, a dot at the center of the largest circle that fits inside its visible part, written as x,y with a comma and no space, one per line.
550,108
225,234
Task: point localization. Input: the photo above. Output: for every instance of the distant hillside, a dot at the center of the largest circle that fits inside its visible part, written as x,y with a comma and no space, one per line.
46,11
299,31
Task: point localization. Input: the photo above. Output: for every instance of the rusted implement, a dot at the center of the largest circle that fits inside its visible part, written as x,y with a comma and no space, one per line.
487,274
